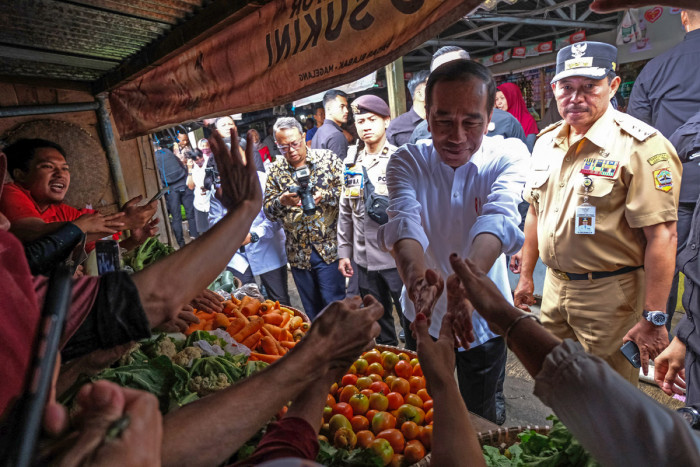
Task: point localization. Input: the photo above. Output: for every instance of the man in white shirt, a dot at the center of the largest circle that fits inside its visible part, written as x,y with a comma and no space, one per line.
458,193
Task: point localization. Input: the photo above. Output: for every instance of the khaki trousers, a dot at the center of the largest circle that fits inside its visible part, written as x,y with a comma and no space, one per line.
597,313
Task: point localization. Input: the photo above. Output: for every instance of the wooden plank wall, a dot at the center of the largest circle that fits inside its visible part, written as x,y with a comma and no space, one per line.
136,155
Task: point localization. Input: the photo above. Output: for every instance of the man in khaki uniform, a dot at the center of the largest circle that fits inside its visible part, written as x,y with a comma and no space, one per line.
604,194
358,226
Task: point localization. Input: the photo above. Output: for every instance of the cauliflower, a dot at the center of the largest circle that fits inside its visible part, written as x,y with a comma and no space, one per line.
127,358
166,347
185,356
209,384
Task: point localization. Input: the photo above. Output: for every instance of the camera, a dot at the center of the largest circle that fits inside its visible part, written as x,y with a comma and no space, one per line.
303,191
212,178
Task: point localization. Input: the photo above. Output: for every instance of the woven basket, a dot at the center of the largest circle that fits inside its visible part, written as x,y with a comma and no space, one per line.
298,313
396,350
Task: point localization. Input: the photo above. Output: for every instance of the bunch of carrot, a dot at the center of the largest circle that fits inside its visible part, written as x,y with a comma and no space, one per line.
266,328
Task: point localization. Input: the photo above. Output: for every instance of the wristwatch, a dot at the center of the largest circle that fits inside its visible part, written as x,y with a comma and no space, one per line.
657,318
254,238
691,416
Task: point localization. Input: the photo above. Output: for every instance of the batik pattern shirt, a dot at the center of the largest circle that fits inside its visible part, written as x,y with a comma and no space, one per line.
319,230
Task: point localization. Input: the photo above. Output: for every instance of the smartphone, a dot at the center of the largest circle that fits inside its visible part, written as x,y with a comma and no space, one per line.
631,352
159,195
107,252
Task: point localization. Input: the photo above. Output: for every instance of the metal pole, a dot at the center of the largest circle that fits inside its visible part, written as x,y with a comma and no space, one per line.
110,146
24,110
395,86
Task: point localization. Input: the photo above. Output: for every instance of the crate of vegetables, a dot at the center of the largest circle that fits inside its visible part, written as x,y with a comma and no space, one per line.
269,330
379,413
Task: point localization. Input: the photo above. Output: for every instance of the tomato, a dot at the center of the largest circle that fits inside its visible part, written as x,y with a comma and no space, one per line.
375,377
344,409
414,362
352,370
404,356
389,379
417,371
347,392
322,438
383,421
395,438
398,460
427,405
363,382
401,386
410,413
429,416
403,369
361,365
359,404
410,430
330,400
334,389
414,400
373,356
414,451
359,423
327,413
337,422
367,392
426,436
370,414
423,393
375,369
380,386
395,400
378,401
416,383
389,359
364,437
349,380
383,449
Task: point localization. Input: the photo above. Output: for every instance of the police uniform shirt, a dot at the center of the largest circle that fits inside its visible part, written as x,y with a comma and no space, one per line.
357,233
635,176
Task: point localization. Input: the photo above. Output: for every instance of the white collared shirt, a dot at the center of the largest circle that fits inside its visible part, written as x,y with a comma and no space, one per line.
444,209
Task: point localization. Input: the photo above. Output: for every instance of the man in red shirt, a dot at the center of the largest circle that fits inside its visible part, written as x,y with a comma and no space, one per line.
34,202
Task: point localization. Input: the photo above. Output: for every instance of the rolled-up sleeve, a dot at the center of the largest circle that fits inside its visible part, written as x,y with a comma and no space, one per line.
630,427
500,215
404,210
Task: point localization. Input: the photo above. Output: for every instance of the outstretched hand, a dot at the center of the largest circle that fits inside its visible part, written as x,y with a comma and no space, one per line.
425,291
437,357
459,305
480,291
239,181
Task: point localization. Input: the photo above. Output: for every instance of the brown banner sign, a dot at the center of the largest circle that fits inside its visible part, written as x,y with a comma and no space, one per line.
285,50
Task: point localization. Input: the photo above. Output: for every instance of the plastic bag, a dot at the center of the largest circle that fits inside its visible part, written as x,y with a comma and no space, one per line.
250,290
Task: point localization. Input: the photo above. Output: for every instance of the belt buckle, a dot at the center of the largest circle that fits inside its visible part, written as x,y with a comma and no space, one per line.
561,275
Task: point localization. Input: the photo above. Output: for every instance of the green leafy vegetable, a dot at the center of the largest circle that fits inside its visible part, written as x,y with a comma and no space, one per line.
335,457
148,253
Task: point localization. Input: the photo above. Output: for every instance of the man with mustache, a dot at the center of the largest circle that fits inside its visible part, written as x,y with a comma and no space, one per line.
608,281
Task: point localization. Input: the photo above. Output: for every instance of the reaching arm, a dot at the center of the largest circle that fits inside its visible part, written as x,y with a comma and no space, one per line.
523,296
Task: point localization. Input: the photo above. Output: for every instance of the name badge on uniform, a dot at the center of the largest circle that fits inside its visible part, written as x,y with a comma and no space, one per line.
585,213
354,182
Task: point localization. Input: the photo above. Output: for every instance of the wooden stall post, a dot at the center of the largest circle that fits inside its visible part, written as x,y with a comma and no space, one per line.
395,86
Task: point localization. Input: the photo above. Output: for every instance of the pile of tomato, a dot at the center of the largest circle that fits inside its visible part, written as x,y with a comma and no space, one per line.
381,404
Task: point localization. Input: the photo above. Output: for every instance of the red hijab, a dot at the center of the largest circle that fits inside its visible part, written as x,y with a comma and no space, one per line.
517,107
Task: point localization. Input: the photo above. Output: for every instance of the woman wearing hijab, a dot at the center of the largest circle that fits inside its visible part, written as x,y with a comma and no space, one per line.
510,99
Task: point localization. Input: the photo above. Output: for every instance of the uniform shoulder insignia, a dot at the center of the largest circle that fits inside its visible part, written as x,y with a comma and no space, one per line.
550,128
635,128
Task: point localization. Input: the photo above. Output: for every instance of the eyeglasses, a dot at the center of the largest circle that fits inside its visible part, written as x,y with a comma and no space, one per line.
293,145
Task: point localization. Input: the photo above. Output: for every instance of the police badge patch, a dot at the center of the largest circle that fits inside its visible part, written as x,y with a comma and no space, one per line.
663,180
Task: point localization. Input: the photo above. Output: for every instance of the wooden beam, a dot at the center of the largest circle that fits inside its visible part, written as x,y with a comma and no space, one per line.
55,58
216,16
395,85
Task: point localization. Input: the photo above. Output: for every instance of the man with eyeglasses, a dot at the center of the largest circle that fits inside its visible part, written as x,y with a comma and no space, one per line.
311,229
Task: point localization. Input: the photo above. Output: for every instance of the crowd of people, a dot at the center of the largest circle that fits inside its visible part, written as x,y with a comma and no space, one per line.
416,215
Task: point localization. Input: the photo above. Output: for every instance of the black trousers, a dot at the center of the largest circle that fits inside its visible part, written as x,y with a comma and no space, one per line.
685,219
385,286
174,199
275,283
478,371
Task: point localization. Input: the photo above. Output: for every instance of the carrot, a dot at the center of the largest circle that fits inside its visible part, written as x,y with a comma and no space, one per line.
208,326
238,314
264,358
305,326
286,317
221,320
273,318
252,341
275,331
298,335
228,306
288,338
253,325
236,325
294,323
194,327
288,344
249,306
269,346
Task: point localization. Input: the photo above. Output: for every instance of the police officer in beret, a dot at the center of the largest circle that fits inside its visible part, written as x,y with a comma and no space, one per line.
608,279
363,202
